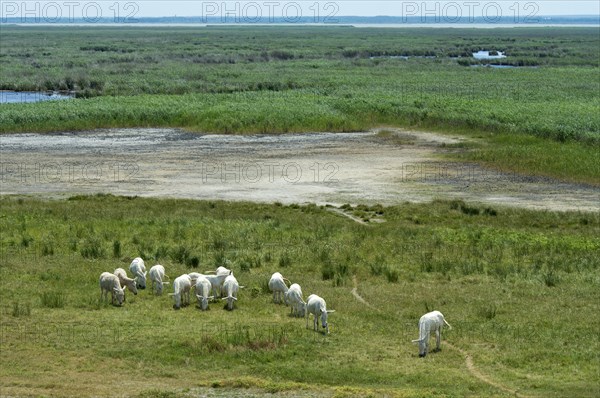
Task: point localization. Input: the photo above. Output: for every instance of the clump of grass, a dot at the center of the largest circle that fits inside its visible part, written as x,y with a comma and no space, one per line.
550,278
117,249
327,271
265,344
248,262
470,211
363,215
245,264
264,286
26,240
339,280
220,259
268,257
338,273
285,260
488,311
488,211
428,306
212,344
47,248
49,276
378,209
180,254
192,262
53,299
92,248
430,263
392,275
20,309
219,244
471,266
161,252
378,266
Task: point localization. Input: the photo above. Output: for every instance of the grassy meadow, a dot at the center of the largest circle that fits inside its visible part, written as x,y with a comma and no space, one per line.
519,287
297,79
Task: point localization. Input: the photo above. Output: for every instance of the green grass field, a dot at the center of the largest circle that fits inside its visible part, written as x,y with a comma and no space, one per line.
520,288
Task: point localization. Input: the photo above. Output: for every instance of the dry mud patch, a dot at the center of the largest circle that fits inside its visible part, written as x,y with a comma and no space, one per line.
333,168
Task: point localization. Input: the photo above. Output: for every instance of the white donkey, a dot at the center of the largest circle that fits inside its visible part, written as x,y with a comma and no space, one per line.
432,321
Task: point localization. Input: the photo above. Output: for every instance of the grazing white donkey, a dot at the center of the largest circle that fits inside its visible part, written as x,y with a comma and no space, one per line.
138,269
217,281
110,283
203,287
278,287
293,297
231,286
432,321
194,276
181,290
125,281
157,274
316,305
220,271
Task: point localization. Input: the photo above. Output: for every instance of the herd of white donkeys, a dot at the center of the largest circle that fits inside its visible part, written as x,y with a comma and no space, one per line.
222,283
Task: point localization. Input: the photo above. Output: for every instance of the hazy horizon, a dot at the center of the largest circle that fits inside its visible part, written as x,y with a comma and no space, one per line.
320,11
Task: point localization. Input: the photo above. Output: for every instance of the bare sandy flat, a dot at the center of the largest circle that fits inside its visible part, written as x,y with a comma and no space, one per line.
322,168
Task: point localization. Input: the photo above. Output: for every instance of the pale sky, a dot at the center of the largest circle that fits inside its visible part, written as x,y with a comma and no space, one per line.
365,7
252,11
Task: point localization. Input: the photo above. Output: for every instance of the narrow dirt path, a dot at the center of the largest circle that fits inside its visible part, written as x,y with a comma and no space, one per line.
358,297
479,375
350,216
475,372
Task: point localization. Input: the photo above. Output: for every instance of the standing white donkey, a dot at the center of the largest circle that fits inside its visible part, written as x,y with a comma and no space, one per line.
432,321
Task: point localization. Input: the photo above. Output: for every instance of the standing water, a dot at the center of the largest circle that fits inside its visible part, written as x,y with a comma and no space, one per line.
15,97
486,55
